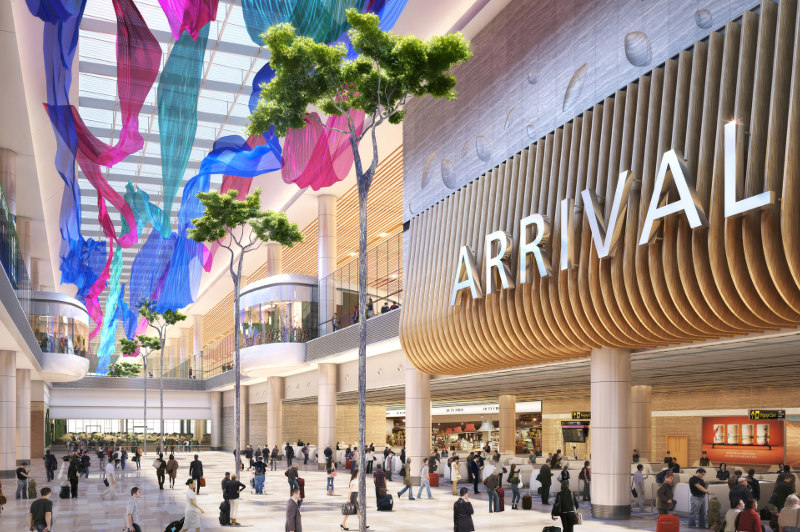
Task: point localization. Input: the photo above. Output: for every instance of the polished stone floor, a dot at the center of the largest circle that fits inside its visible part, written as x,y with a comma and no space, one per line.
264,512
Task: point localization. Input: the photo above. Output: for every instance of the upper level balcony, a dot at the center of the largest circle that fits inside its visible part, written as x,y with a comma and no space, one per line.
61,326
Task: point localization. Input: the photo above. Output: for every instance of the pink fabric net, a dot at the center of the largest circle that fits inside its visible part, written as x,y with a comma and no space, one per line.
188,15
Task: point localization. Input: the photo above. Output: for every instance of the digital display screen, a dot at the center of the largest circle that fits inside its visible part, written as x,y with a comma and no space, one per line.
575,434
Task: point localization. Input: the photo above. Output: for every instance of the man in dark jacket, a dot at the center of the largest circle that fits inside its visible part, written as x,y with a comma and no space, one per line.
462,513
665,501
293,520
752,483
291,475
72,475
379,478
289,454
196,472
783,489
492,482
274,458
545,479
740,492
476,472
161,471
50,465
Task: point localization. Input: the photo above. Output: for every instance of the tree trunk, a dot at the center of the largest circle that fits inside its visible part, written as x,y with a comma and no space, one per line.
237,407
362,355
161,393
144,451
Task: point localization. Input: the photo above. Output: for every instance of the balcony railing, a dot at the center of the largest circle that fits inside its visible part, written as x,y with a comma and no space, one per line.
339,291
11,256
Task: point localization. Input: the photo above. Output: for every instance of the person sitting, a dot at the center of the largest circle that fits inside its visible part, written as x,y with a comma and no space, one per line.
790,515
730,516
748,519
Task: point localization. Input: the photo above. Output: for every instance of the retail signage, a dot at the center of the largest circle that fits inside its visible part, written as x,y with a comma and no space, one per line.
528,407
577,414
535,229
756,415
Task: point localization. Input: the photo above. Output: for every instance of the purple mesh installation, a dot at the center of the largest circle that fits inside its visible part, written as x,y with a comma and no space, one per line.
188,15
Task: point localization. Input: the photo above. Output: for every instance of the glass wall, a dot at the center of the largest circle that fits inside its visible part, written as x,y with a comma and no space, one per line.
11,256
384,284
59,325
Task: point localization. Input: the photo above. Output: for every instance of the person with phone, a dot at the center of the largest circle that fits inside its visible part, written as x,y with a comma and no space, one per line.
462,513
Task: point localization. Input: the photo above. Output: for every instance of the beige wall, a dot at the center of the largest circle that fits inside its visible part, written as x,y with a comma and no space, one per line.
300,423
347,424
37,429
258,425
554,411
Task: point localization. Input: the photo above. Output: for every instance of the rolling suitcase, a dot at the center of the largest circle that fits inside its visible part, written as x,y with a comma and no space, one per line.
225,513
527,502
385,503
551,529
65,492
501,497
668,523
175,526
302,484
433,479
348,464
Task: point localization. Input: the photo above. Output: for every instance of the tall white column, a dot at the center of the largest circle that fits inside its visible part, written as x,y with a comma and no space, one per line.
275,412
326,265
508,424
244,406
8,178
326,409
418,418
641,425
216,421
274,259
8,413
23,416
199,429
611,434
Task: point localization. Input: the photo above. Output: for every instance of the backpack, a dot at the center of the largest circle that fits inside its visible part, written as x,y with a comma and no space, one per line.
662,476
582,475
714,517
403,471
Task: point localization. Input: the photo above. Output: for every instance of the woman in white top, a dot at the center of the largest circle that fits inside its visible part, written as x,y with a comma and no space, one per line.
353,497
191,518
455,476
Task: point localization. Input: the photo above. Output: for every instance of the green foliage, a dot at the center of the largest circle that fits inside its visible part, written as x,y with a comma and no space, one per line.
124,369
170,317
225,214
144,344
390,68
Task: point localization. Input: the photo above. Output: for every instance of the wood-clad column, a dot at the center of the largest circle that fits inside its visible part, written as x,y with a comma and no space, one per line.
216,421
418,418
326,409
326,264
611,434
640,420
197,330
275,412
508,424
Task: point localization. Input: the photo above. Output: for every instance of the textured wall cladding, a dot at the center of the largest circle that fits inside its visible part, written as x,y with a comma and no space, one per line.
227,428
524,60
381,327
257,418
347,424
299,423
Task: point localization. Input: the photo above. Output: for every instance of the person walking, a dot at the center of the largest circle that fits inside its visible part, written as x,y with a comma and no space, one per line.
232,490
305,454
407,482
138,458
172,470
273,458
388,466
424,480
293,521
566,507
124,456
50,465
379,479
330,469
698,502
85,464
191,513
72,476
196,472
259,473
41,512
102,457
492,482
110,482
289,454
545,478
291,475
161,470
132,512
455,474
665,496
783,489
353,489
638,485
586,476
22,481
462,513
514,481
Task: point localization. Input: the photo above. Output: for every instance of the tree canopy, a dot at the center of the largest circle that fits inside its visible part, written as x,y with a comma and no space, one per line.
389,69
226,215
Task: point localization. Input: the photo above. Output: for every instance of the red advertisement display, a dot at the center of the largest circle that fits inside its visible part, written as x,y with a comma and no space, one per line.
793,441
738,439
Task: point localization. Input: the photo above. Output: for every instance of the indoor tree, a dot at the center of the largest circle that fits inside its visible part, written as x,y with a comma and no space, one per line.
240,227
389,69
146,345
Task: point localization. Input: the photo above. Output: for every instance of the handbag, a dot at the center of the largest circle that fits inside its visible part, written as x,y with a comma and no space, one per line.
577,518
202,482
105,481
633,491
349,508
156,463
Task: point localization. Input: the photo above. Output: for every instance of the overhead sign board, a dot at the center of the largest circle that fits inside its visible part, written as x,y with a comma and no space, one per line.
766,414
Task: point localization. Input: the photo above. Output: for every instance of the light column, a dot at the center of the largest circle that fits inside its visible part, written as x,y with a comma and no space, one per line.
641,424
216,421
326,409
508,424
275,412
244,408
197,328
23,416
8,178
274,259
611,434
326,264
199,430
8,413
418,418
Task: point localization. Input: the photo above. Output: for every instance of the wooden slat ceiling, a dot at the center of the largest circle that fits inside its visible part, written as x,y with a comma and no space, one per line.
738,275
384,215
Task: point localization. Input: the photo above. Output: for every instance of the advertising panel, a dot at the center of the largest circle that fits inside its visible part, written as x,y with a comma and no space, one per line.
742,440
793,441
